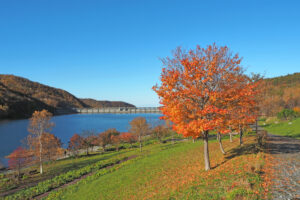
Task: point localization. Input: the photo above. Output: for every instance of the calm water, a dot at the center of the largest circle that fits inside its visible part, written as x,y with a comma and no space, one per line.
12,132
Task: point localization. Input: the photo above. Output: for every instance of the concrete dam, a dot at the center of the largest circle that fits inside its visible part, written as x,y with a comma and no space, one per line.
118,110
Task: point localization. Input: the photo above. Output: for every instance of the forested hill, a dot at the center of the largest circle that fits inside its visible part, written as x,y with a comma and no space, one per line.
101,104
281,92
289,80
20,97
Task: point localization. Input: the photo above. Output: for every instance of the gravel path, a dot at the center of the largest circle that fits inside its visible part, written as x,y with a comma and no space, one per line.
286,157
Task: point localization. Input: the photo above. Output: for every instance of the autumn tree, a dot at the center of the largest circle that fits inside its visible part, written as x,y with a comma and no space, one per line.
40,123
52,147
243,109
19,159
159,132
89,140
105,137
139,127
116,140
128,137
75,144
192,88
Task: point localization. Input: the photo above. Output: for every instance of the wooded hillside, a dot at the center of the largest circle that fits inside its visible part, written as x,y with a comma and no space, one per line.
20,97
281,92
101,104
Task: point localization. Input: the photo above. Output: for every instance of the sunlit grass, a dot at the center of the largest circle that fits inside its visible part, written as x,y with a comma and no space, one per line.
176,172
284,128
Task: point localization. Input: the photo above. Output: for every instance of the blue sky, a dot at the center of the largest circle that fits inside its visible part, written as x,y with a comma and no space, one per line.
110,50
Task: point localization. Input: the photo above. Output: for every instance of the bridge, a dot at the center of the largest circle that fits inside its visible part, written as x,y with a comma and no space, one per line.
118,110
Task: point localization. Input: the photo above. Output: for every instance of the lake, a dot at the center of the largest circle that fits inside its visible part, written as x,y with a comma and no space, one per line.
13,131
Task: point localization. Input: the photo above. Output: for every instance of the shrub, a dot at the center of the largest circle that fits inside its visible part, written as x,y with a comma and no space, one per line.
287,114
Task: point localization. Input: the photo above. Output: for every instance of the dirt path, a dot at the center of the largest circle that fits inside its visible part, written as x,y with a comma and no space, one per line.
82,177
286,166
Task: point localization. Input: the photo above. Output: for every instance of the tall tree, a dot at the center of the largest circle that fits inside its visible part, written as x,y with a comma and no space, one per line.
139,127
244,108
192,88
40,123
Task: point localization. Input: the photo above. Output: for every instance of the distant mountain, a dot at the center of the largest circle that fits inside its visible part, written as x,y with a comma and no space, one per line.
20,97
281,92
101,104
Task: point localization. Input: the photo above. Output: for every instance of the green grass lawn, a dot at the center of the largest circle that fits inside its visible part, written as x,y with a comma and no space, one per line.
286,128
166,171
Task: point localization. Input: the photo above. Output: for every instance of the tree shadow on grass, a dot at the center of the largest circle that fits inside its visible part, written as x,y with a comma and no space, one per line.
245,149
282,145
274,145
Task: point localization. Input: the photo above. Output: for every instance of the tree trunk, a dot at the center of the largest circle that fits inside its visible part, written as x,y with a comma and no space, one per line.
230,136
206,152
172,138
41,147
256,127
193,140
140,143
219,138
241,137
18,171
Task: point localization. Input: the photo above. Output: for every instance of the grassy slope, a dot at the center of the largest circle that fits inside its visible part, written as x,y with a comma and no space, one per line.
52,169
176,172
284,128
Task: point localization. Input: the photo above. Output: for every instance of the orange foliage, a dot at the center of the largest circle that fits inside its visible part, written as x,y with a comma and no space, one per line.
18,159
193,88
128,137
297,109
116,140
75,144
